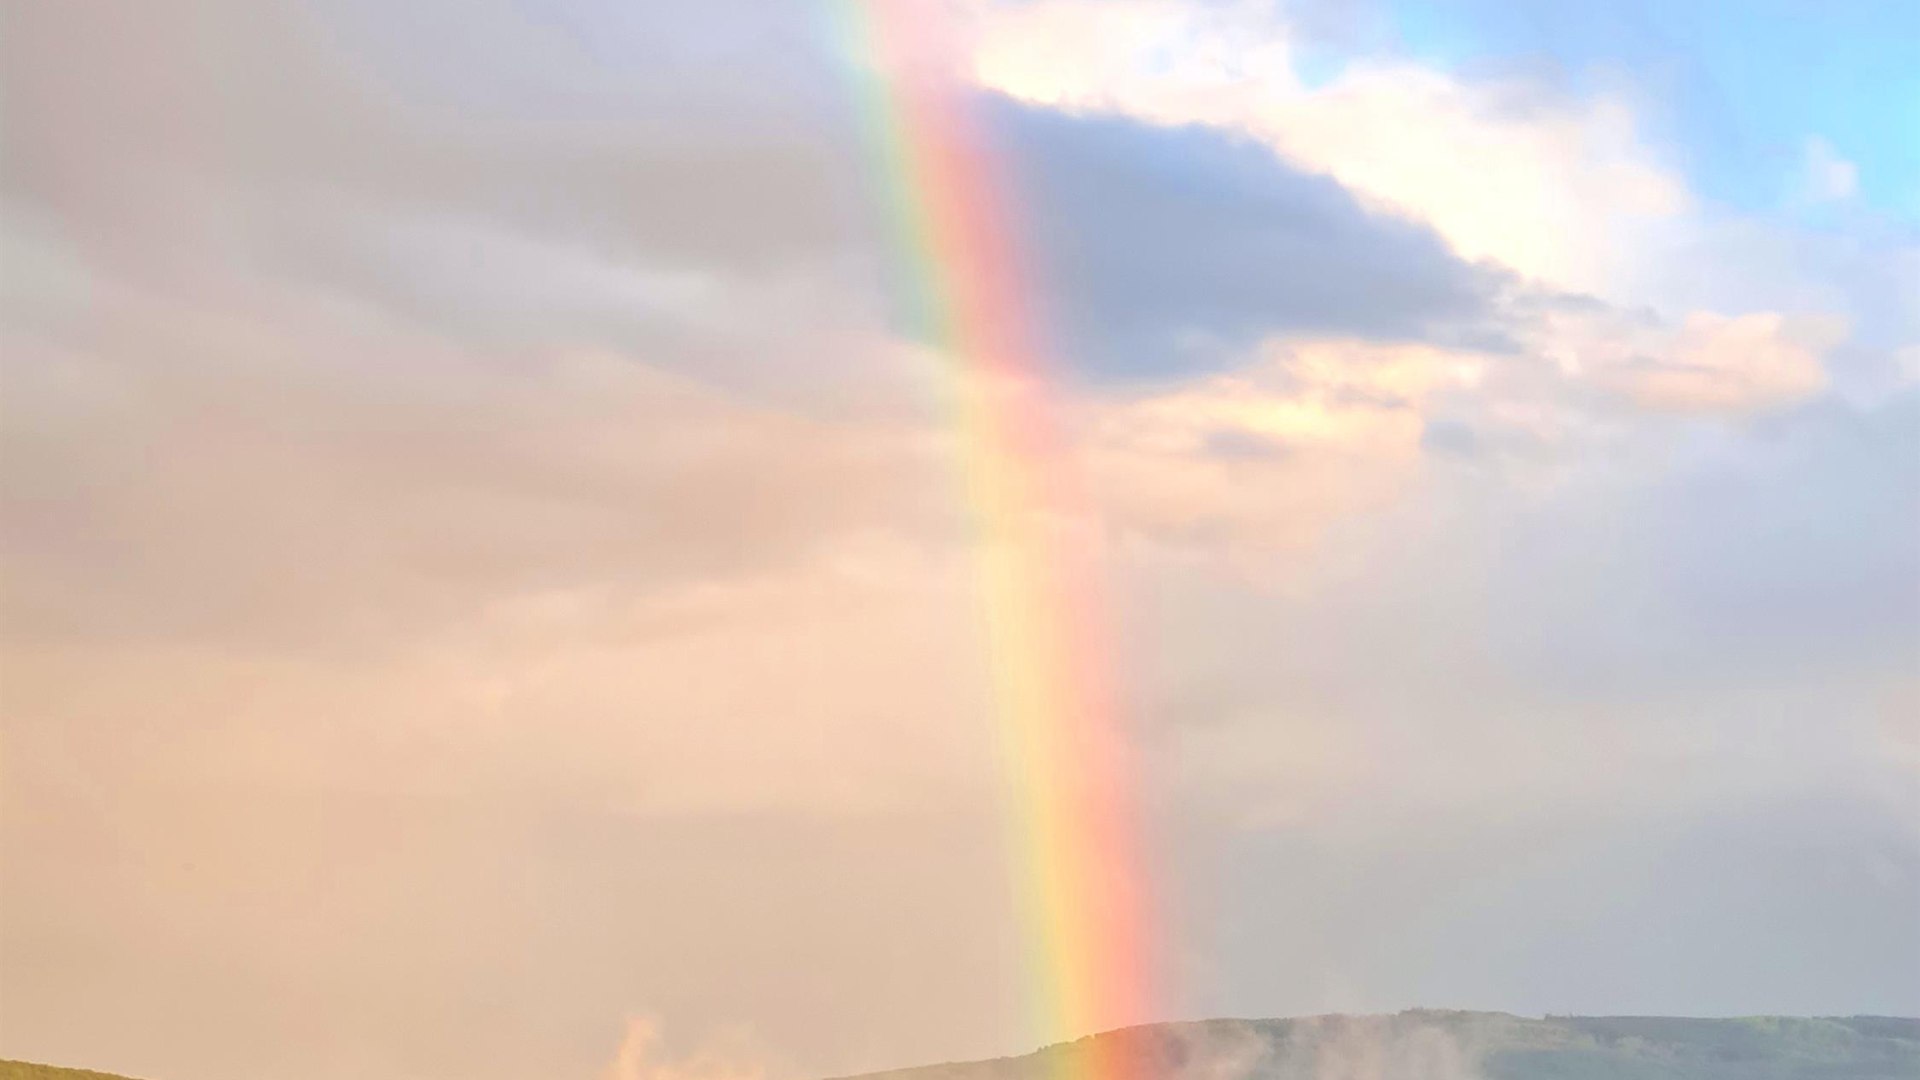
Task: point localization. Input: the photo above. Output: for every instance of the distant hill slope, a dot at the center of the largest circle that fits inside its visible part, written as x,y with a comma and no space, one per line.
25,1070
1426,1044
1437,1045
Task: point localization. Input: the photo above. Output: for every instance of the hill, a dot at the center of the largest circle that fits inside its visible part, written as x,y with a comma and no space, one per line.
26,1070
1428,1044
1445,1045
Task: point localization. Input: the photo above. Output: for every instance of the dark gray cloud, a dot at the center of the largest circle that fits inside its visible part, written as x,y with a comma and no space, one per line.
1169,250
498,186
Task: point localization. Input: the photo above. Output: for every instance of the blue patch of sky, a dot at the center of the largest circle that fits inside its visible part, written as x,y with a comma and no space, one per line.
1317,66
1732,89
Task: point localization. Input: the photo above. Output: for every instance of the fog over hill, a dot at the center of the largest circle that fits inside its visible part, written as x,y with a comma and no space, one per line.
1450,1045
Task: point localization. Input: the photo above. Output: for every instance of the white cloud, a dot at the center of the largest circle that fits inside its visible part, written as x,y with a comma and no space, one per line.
1262,460
1558,189
1829,177
1710,363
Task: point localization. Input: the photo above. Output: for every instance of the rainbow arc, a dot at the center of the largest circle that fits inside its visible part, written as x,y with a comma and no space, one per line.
1070,776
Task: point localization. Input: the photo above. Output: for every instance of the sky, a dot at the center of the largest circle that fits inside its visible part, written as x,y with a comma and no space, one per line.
489,589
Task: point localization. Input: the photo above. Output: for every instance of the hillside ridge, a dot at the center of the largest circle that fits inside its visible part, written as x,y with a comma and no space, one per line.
1459,1044
1439,1044
29,1070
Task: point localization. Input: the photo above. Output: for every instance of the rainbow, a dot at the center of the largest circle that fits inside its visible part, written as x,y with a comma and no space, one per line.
1070,777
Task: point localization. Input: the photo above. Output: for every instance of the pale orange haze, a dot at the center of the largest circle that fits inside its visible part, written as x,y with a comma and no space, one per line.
485,558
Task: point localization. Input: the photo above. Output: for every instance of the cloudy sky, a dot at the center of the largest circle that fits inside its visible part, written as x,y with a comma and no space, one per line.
486,570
